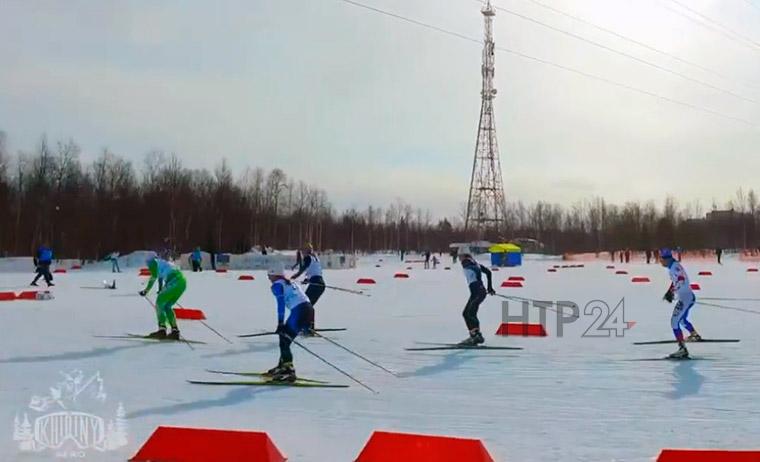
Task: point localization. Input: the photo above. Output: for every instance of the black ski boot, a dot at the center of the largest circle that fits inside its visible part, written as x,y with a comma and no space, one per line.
174,335
159,334
475,339
286,373
274,370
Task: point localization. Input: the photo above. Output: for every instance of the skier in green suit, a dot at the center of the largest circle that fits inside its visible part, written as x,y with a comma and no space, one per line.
174,286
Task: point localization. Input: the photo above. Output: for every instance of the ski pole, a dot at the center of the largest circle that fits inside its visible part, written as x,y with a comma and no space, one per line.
355,353
744,310
523,299
260,334
329,363
211,328
341,289
731,299
154,308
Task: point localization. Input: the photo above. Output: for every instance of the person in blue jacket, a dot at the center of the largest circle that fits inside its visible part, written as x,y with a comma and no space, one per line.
42,261
196,258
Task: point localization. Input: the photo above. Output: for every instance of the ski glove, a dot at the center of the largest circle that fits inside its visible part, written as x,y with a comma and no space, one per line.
280,329
142,293
668,297
491,291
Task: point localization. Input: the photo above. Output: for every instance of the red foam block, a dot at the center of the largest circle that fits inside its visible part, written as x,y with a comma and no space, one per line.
707,455
621,272
189,313
512,284
610,266
365,281
638,279
59,271
393,447
695,286
401,276
752,270
515,278
552,270
221,270
522,329
245,277
76,267
27,295
7,296
705,273
177,444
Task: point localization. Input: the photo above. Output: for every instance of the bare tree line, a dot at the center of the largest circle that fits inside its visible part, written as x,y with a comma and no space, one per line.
87,211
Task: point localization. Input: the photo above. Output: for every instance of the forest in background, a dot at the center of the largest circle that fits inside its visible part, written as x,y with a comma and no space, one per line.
48,195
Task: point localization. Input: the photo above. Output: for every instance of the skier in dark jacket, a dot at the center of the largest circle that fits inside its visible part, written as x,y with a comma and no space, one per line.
473,272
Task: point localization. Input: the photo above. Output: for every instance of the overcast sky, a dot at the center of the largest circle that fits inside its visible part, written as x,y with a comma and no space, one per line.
371,108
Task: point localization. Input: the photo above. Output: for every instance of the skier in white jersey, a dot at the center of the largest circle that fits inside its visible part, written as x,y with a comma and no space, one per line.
292,297
312,268
681,289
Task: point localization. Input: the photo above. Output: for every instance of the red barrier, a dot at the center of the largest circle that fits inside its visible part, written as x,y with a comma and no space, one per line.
521,329
401,276
638,279
705,273
512,284
621,272
7,296
752,270
552,270
59,271
394,447
221,270
707,455
245,277
177,444
27,295
76,267
515,278
695,286
189,313
610,266
365,281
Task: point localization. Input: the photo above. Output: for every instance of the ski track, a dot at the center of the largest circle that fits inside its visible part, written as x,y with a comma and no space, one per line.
568,399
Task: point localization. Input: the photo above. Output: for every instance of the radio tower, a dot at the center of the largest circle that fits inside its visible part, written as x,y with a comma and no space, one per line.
486,207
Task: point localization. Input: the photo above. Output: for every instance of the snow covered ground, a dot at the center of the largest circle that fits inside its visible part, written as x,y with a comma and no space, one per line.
572,398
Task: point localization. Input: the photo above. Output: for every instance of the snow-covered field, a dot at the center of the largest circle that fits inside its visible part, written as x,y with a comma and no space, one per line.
572,398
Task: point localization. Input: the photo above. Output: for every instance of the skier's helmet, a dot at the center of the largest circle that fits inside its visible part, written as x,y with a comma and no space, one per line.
666,253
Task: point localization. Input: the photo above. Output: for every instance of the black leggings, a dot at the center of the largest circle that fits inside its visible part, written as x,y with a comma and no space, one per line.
470,312
298,320
316,289
43,270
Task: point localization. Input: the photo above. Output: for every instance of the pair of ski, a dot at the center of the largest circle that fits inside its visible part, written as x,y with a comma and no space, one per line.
264,379
688,358
263,334
148,339
457,346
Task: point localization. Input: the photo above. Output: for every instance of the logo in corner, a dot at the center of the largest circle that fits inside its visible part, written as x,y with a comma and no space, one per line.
65,421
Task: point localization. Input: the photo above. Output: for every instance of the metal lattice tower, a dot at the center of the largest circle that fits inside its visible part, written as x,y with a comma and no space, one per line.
486,207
